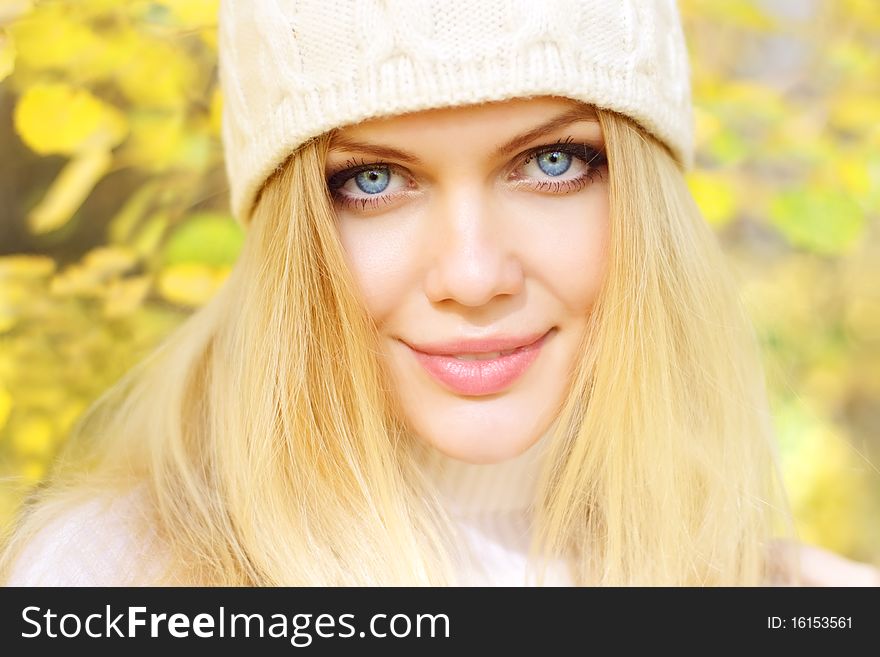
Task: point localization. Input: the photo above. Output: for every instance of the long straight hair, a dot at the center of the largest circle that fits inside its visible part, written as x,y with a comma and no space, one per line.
268,446
664,469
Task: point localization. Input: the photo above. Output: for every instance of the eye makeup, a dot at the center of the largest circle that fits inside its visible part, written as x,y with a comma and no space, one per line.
363,185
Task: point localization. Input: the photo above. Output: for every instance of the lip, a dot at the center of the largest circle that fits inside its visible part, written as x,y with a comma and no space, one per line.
479,377
477,346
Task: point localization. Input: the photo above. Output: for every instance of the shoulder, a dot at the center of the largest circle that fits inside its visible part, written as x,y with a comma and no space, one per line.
103,541
818,567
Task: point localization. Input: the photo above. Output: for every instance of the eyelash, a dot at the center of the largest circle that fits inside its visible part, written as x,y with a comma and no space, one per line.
593,158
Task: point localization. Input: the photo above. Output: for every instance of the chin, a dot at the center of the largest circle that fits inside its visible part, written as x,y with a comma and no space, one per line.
499,441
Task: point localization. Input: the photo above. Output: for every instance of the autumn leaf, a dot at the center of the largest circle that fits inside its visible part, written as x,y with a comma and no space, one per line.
156,138
190,284
714,195
68,191
58,119
194,13
33,436
206,238
124,222
157,76
124,296
52,37
7,55
147,239
5,406
821,220
25,267
216,119
108,261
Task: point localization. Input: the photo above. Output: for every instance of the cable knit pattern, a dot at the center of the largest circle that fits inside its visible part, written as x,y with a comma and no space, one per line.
293,69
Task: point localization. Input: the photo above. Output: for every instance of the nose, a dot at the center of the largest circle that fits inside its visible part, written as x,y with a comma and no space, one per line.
472,254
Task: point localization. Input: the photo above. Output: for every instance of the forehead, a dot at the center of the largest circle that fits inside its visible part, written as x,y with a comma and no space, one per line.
481,121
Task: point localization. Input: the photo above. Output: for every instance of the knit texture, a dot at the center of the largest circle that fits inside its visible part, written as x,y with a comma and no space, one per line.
291,70
492,508
97,543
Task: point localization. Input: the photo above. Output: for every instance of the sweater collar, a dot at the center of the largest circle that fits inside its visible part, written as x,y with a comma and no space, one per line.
471,489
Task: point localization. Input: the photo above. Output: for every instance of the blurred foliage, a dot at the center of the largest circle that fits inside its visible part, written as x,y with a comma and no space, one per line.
115,221
787,96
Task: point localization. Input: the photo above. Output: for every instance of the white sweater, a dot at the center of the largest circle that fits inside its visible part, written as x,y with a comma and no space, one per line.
93,545
491,505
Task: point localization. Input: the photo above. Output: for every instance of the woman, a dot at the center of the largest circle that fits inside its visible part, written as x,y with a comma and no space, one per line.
478,332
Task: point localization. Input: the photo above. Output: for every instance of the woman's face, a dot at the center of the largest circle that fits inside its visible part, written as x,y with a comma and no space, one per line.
472,231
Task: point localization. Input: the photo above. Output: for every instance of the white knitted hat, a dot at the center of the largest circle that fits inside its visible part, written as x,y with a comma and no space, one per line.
293,69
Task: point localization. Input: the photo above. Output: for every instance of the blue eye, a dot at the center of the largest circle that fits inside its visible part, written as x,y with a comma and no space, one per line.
554,163
373,181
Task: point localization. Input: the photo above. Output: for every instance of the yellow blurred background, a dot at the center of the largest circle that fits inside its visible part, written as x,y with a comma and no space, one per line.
114,223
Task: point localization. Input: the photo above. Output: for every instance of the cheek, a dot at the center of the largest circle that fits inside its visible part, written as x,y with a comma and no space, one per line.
569,255
382,261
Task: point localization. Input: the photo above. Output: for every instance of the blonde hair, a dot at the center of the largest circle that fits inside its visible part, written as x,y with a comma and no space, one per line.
272,449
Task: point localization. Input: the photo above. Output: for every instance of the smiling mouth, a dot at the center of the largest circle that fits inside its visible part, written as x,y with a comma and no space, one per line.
480,373
487,356
490,355
491,346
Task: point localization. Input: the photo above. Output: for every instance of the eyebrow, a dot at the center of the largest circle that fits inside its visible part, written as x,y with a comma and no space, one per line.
574,115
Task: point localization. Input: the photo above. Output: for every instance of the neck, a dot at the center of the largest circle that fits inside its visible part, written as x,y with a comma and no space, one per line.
468,489
492,509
